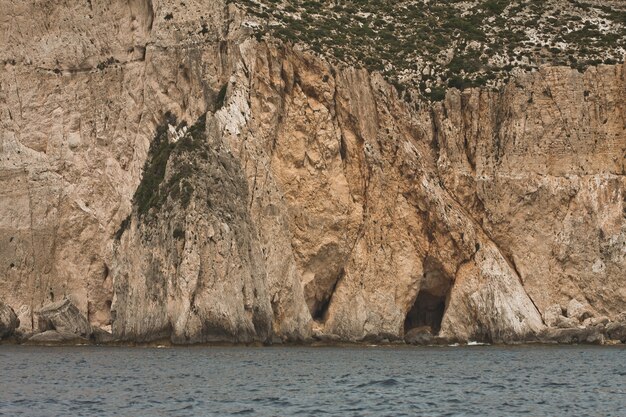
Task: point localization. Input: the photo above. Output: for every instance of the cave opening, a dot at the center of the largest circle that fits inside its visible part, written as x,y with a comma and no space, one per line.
430,303
319,308
318,312
427,310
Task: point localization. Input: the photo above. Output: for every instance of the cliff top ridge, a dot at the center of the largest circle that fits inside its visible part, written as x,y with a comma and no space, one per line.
435,45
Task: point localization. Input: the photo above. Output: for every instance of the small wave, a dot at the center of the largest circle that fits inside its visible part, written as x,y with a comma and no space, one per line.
260,399
383,382
472,343
244,411
555,384
87,402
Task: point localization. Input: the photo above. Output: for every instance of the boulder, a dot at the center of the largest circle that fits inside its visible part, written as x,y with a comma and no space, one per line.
616,331
325,337
54,336
567,322
25,316
553,315
8,321
578,310
419,336
382,337
101,336
586,335
442,340
594,321
64,317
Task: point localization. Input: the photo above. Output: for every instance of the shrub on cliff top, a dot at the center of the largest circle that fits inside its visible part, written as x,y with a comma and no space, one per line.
425,44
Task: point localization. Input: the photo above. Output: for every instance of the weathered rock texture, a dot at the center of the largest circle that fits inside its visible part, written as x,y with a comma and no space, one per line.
310,200
8,321
55,337
64,317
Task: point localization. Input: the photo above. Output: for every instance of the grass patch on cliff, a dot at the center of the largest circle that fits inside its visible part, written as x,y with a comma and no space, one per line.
123,226
147,193
179,156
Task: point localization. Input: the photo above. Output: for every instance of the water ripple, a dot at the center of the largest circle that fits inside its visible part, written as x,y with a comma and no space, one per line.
204,381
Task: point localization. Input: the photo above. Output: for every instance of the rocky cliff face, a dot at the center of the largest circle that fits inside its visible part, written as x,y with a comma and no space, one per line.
177,178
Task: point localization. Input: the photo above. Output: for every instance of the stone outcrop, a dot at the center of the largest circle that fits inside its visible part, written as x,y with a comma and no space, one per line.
63,317
419,336
102,336
581,325
578,310
553,315
8,321
541,168
616,330
53,337
206,278
594,335
180,179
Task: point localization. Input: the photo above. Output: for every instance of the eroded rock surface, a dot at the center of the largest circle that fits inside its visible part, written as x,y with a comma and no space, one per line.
56,337
594,335
617,330
179,179
419,336
63,317
8,321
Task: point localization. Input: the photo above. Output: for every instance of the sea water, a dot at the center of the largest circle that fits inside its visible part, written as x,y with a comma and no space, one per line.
309,381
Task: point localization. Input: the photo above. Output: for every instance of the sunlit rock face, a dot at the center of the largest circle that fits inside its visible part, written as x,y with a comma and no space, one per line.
176,178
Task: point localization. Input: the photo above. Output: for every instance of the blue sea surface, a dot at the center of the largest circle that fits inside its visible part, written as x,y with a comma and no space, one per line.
309,381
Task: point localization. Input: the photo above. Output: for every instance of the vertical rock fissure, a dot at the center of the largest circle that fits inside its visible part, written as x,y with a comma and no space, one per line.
512,264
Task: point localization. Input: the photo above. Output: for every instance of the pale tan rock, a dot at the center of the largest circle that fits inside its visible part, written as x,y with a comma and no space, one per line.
198,264
553,315
419,336
64,317
603,320
102,336
568,323
617,331
578,310
541,167
488,303
350,210
585,335
56,337
8,321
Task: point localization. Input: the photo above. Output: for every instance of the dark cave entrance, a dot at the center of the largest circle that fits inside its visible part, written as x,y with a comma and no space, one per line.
426,311
430,303
319,307
318,312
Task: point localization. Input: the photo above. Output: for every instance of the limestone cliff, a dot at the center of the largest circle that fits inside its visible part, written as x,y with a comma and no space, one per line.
177,178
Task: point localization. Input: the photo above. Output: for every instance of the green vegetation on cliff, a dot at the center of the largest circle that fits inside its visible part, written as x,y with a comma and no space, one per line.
155,188
434,45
